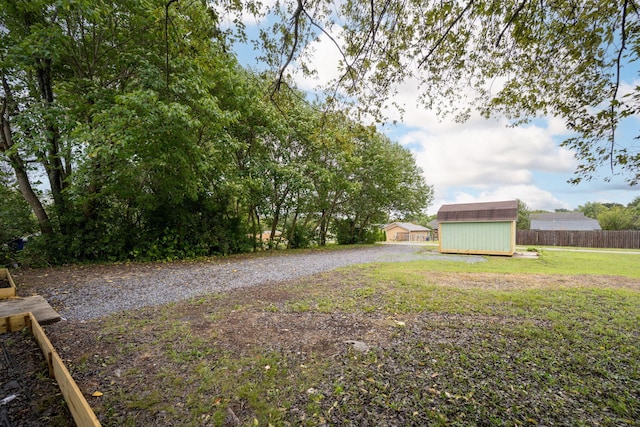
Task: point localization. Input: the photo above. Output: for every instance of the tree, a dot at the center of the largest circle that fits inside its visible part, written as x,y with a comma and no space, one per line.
634,206
592,209
119,103
156,144
385,181
520,58
524,216
29,116
617,218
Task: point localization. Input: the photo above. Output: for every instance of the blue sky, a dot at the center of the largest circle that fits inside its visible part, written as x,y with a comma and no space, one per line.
482,159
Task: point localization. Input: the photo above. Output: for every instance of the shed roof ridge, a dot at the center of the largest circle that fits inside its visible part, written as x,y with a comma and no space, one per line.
506,210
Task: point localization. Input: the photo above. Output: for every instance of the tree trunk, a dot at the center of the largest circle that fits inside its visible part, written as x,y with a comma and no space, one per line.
18,164
53,163
274,225
294,223
254,233
29,195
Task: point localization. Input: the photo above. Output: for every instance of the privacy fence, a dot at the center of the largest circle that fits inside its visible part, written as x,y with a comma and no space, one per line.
627,239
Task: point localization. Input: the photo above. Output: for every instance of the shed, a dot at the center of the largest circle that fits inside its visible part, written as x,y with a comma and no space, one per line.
478,228
571,221
406,232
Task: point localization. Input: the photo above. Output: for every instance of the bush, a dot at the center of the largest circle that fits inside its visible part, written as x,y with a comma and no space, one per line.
166,231
16,221
348,233
302,238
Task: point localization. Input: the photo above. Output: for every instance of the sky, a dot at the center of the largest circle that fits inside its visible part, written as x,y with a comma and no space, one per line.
484,160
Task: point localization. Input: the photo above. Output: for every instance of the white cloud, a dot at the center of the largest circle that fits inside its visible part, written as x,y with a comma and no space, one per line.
484,153
321,56
480,159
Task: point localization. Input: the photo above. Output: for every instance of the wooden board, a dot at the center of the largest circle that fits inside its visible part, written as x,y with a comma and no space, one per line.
82,413
35,304
10,291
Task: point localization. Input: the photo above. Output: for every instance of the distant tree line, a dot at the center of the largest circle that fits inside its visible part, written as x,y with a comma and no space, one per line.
610,216
614,216
130,132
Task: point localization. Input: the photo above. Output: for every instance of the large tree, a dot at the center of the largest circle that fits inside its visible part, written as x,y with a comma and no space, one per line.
520,58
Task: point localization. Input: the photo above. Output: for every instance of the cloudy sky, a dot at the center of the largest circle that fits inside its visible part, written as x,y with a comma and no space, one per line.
484,160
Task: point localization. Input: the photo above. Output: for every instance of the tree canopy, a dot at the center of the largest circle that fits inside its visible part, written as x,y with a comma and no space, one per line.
614,216
519,58
132,132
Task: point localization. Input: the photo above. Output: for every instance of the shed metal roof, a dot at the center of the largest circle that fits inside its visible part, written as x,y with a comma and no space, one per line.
574,221
479,212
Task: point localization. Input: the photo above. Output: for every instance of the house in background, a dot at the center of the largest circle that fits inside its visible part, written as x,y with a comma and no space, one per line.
478,228
406,232
570,221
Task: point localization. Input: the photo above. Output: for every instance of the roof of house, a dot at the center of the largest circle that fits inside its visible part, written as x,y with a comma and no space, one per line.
407,226
575,221
472,212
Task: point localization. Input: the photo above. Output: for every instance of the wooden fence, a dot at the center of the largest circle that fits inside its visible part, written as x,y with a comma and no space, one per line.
626,239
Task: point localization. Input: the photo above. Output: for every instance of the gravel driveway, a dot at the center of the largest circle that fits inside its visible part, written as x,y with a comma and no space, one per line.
81,296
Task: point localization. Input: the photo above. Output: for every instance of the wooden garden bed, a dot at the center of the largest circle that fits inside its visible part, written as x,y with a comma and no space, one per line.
80,410
7,287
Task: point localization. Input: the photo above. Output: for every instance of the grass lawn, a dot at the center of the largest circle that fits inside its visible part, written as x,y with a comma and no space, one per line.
516,342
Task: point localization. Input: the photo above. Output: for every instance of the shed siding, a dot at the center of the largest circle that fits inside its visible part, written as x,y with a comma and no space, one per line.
496,237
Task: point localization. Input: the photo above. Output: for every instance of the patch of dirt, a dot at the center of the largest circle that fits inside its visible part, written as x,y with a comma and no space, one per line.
29,396
4,283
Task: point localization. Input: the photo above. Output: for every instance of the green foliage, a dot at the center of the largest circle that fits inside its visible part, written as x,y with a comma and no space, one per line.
613,216
592,209
193,228
349,233
618,218
16,221
524,219
561,59
157,145
301,238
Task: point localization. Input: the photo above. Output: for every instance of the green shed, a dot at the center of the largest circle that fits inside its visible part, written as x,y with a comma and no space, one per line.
478,228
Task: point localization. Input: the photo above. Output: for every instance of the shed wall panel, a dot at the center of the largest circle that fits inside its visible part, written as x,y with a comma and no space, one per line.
478,237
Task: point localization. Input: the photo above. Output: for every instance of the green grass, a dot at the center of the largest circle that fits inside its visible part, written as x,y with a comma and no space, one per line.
549,262
503,342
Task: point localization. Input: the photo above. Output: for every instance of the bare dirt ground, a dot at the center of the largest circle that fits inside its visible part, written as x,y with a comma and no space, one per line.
255,316
29,396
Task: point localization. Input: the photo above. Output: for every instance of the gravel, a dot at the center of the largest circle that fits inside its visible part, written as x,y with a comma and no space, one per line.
105,294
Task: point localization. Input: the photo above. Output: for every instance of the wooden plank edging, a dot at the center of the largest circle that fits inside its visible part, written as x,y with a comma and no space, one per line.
7,292
82,413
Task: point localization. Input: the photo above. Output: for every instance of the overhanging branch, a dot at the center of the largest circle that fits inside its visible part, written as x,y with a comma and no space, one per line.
296,34
446,33
616,87
513,18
